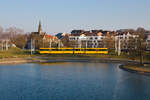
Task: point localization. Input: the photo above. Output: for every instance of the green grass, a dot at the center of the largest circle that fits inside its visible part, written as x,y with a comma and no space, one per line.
14,53
83,56
19,53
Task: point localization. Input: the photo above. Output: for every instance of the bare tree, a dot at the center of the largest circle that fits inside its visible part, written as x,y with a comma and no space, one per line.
12,32
67,43
1,33
132,46
1,30
20,41
37,41
15,36
108,42
141,45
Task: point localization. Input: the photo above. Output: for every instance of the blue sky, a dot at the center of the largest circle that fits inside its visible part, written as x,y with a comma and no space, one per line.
66,15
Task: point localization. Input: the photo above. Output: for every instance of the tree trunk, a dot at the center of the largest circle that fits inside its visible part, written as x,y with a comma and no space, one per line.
141,58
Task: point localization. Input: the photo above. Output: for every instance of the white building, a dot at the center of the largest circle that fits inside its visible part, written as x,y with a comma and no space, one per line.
148,42
87,41
124,40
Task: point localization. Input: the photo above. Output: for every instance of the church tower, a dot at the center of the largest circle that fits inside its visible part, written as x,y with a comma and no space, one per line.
40,28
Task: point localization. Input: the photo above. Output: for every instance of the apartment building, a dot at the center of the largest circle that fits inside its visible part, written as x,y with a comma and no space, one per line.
88,39
148,42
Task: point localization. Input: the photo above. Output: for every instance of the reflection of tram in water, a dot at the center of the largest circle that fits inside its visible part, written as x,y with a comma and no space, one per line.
73,51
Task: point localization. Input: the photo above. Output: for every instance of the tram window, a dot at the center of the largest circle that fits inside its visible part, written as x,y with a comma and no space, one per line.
90,49
77,49
55,50
67,49
44,49
102,50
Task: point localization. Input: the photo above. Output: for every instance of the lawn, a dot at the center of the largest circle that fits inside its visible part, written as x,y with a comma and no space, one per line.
14,53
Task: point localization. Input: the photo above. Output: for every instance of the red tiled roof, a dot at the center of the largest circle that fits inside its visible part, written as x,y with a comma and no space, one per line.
49,36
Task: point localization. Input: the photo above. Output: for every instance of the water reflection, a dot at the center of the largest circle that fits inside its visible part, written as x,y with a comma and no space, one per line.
71,81
50,63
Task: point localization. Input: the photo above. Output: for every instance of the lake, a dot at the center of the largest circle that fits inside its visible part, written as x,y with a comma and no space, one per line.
71,81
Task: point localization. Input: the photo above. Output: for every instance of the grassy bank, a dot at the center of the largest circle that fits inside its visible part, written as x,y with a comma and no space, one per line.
24,55
19,53
137,68
14,53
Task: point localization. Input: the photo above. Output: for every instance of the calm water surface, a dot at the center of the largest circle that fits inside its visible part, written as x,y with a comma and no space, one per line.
71,81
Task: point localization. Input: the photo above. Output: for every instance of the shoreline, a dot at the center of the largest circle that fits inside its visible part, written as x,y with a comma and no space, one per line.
136,69
37,59
65,59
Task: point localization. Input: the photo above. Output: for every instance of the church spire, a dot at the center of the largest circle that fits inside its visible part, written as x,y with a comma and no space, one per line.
40,28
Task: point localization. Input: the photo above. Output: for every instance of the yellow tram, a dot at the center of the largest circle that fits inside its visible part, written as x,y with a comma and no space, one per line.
73,51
